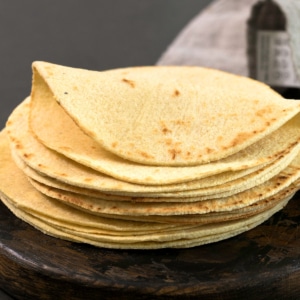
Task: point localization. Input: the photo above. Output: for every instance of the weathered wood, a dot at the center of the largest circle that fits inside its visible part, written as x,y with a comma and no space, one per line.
264,262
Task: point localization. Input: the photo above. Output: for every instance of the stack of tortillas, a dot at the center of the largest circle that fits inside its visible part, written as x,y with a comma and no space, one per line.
148,157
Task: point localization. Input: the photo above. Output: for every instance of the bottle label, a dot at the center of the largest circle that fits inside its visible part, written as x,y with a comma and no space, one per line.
274,59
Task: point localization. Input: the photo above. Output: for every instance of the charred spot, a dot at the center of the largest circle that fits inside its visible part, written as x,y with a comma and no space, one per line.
174,153
209,150
19,146
264,111
145,154
240,138
129,82
176,93
165,130
27,155
188,153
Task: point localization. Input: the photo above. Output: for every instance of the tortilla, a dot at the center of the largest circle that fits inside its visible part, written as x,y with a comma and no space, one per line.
47,119
57,167
49,229
132,208
165,115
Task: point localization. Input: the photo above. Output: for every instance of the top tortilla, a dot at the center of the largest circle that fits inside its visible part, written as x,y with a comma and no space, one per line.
165,116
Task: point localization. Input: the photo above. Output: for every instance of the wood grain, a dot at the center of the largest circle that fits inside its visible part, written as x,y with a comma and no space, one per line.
261,263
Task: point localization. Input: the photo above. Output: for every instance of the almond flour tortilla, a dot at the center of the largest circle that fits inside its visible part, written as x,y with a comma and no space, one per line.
56,166
56,130
43,224
191,233
131,208
165,115
204,215
215,192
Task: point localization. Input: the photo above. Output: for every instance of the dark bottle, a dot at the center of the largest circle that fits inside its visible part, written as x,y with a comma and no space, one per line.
270,57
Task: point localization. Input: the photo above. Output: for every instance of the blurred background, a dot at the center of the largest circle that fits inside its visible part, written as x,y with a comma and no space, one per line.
93,34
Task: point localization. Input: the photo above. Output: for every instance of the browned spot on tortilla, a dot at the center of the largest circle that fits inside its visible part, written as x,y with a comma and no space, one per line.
183,123
19,146
164,128
114,144
209,150
174,152
73,200
176,93
63,174
145,154
262,112
188,154
240,138
129,82
75,88
28,155
88,179
168,142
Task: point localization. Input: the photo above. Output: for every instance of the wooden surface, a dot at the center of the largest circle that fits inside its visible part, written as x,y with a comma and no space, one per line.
263,263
